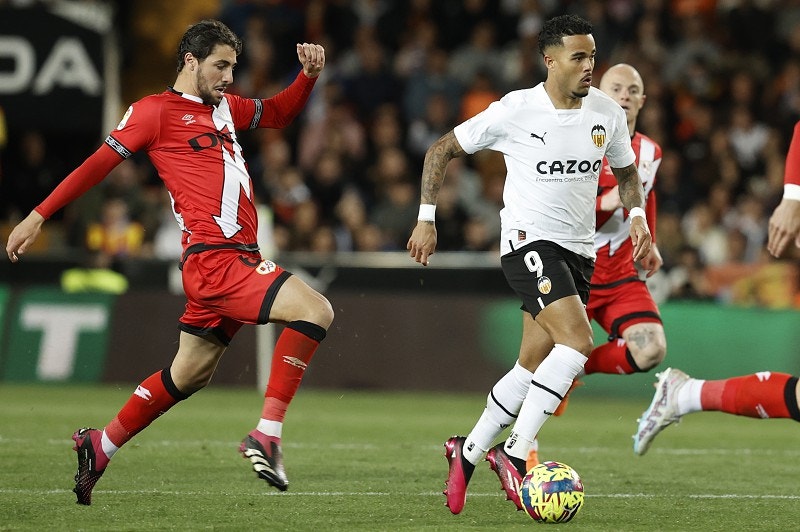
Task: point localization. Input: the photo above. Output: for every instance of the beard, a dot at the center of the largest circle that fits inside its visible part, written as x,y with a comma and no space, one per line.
581,93
206,91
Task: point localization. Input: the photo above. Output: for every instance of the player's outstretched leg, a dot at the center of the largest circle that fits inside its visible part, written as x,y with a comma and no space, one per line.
264,452
92,462
663,409
460,471
509,474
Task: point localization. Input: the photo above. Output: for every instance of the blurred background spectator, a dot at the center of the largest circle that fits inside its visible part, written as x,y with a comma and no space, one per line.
722,79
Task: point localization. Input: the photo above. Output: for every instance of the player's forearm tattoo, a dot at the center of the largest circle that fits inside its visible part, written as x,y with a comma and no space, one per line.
439,154
631,191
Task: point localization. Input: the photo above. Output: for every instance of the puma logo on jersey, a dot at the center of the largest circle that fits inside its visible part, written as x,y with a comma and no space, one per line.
535,136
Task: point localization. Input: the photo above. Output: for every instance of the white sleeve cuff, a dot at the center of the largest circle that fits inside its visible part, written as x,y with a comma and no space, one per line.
637,211
791,192
427,212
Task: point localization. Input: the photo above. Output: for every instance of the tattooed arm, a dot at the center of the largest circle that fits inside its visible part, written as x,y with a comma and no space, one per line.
631,193
422,243
438,155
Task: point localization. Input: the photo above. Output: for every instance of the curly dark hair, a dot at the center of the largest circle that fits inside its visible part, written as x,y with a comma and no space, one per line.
556,28
201,38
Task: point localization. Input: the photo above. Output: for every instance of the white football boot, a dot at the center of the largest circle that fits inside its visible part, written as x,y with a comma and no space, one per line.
663,409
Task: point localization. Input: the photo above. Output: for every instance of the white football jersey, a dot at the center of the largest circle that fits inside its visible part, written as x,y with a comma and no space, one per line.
553,159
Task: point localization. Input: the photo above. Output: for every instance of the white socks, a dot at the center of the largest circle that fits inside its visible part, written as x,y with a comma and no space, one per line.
270,428
502,407
108,447
688,397
550,383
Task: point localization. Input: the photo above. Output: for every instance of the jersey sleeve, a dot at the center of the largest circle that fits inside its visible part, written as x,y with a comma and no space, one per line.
791,177
138,129
484,129
134,132
619,152
92,171
650,211
276,112
650,201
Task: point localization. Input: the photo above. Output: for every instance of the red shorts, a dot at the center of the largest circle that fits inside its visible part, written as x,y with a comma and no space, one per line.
621,306
226,288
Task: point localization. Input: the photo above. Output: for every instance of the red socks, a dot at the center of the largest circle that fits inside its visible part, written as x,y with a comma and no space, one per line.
762,395
293,351
611,357
157,393
154,396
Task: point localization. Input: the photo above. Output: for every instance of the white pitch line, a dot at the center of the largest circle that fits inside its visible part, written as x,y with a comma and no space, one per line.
360,446
388,494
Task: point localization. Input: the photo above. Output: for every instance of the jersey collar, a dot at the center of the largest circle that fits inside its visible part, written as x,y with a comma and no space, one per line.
189,97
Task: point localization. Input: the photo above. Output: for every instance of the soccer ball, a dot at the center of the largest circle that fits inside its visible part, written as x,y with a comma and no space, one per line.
551,492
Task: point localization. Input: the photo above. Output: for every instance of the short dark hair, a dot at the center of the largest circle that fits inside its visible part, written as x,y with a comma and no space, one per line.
555,29
201,38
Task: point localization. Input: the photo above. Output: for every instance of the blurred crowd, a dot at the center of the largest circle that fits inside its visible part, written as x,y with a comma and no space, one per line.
722,80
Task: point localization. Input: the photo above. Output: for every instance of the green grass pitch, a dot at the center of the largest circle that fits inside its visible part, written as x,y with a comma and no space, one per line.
374,461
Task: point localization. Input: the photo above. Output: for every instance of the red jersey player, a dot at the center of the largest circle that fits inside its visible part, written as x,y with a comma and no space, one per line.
763,395
619,300
189,133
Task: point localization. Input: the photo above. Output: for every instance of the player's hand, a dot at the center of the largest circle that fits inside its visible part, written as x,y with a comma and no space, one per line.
24,235
640,237
610,200
312,57
422,243
652,262
784,226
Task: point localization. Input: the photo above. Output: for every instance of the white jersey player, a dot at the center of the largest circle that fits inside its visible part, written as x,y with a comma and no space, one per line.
554,137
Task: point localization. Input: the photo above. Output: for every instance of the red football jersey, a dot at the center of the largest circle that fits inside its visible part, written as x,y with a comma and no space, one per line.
612,241
792,175
194,148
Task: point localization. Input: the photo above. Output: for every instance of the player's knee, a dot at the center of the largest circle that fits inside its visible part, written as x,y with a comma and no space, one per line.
189,383
577,336
199,382
322,313
299,302
317,311
585,348
581,342
649,355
